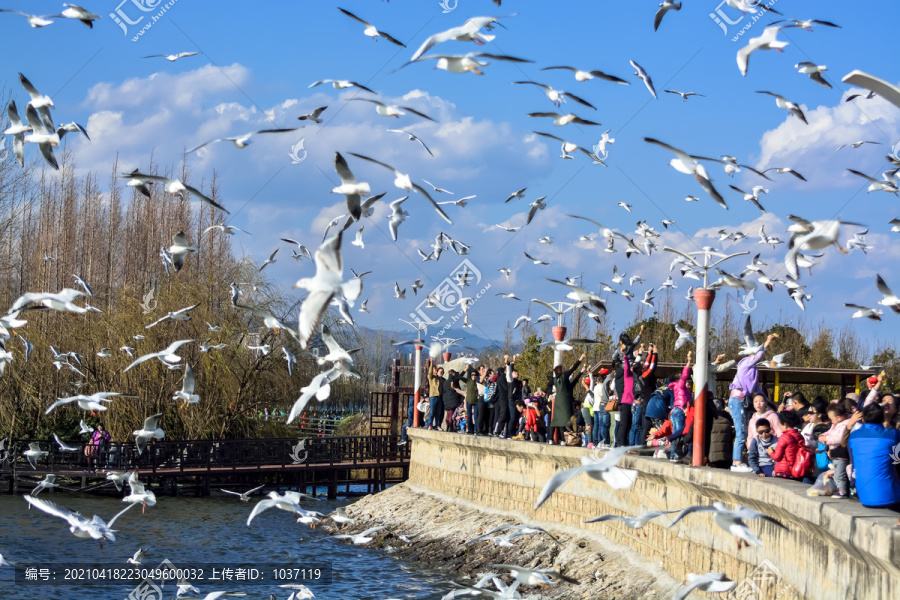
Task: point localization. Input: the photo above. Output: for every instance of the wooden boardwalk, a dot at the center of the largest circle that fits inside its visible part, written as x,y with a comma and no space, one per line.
201,465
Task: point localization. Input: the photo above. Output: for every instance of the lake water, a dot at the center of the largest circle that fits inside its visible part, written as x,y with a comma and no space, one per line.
199,533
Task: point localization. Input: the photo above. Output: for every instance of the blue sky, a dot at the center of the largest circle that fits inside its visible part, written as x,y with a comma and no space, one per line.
258,59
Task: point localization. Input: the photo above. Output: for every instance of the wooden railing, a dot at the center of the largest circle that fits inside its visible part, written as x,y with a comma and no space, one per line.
194,455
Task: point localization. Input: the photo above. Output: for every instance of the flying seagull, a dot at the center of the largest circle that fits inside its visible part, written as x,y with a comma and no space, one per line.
767,41
664,8
793,108
685,163
588,75
642,74
555,96
412,138
173,57
404,182
371,30
313,116
605,469
140,180
340,84
392,110
242,141
731,521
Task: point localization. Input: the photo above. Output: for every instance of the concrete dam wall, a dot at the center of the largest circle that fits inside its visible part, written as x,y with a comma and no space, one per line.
831,549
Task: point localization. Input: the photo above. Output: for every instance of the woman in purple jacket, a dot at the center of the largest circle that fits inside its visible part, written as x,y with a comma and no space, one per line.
745,384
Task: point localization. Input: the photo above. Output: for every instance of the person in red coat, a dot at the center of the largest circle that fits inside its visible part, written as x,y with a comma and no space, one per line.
789,442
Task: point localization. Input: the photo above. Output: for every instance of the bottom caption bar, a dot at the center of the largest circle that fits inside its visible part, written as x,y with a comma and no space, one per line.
170,574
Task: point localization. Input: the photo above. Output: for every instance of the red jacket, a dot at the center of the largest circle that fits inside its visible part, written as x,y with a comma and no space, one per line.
785,452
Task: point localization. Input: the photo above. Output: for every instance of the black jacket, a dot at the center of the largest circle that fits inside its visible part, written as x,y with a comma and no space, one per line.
451,397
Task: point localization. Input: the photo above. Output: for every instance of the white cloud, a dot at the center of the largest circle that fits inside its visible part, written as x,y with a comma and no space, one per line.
810,149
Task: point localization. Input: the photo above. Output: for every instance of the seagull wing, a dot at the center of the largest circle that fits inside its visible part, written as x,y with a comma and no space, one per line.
205,198
692,509
262,505
434,204
557,481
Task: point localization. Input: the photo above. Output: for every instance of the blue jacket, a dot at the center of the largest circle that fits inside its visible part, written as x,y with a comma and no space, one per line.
871,449
659,405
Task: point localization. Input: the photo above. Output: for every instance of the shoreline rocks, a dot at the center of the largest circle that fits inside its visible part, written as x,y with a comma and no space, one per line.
438,527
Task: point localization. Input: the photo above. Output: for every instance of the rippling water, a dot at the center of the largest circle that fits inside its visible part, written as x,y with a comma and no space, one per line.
208,531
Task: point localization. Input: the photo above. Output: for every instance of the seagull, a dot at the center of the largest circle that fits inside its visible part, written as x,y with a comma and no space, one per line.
878,185
555,96
205,347
284,502
178,315
363,537
685,163
509,296
269,261
371,31
568,147
138,494
855,145
588,75
327,282
320,387
173,57
583,296
166,356
466,63
18,130
413,138
467,32
505,271
777,361
228,229
864,312
731,521
664,7
782,102
605,469
63,447
118,479
517,194
245,496
341,517
186,393
560,120
890,299
767,41
534,207
34,21
808,24
625,206
391,110
313,116
814,71
73,11
397,216
642,74
137,557
633,522
534,260
34,453
539,577
684,337
684,95
340,84
509,229
713,583
46,483
437,189
788,170
520,320
140,181
545,240
752,197
80,526
149,431
362,307
750,346
91,403
242,141
291,360
398,293
179,250
404,182
42,134
84,428
518,531
648,299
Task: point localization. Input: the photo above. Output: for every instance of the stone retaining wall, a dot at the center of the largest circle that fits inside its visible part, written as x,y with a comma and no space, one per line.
832,549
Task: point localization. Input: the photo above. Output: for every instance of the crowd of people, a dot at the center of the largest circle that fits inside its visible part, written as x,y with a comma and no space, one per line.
843,447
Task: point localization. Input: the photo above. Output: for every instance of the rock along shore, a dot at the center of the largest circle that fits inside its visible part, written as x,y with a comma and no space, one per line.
441,524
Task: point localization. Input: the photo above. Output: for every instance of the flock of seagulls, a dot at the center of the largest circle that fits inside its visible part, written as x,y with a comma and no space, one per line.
330,288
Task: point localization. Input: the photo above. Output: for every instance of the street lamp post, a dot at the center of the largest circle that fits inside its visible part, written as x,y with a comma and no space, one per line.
704,298
559,332
418,344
